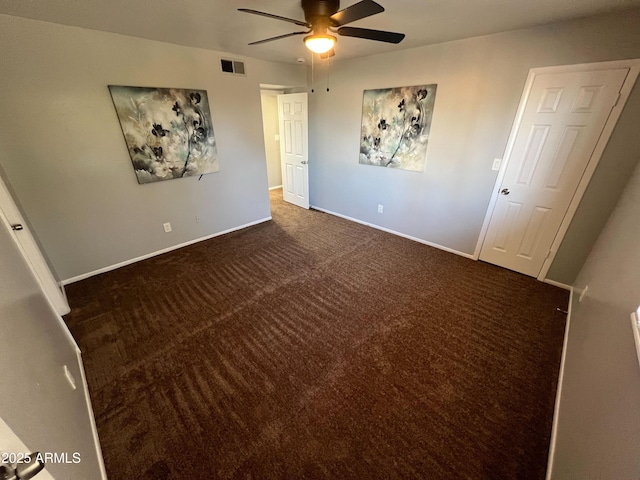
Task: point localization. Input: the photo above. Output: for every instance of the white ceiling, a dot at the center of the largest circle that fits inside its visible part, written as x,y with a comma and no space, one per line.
216,25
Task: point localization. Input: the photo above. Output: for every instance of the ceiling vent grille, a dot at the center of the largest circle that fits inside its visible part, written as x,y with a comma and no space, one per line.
232,66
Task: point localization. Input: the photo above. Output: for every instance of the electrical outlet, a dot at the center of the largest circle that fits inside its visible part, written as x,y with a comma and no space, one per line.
167,227
197,218
496,164
380,208
583,293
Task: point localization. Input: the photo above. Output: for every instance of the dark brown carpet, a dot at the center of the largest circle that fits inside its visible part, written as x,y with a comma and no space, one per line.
314,347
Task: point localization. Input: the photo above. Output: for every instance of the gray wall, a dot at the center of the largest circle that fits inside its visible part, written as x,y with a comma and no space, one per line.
66,159
480,81
599,417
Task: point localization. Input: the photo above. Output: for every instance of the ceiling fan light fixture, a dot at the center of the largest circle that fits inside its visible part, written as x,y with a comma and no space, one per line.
320,43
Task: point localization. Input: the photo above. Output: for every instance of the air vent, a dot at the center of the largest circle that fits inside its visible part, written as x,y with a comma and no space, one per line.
232,66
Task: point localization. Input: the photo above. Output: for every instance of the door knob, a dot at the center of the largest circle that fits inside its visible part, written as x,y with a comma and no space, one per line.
505,191
304,162
17,226
29,468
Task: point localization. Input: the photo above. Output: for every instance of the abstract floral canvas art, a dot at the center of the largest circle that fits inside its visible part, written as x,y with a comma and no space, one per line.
395,126
168,131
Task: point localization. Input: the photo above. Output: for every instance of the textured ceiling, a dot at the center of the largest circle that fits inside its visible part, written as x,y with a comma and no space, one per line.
216,25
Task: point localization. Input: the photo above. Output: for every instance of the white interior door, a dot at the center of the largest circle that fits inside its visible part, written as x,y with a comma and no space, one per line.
44,402
294,152
31,251
561,123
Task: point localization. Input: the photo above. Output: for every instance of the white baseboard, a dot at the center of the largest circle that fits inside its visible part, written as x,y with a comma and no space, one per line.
276,187
92,418
159,252
556,408
378,227
564,286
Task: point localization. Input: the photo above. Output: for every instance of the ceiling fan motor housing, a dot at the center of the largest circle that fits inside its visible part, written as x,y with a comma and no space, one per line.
324,18
319,11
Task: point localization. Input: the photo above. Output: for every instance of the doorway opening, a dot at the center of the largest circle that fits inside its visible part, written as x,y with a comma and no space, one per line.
279,171
271,129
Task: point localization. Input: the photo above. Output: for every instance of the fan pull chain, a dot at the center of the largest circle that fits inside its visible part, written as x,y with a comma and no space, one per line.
328,70
312,90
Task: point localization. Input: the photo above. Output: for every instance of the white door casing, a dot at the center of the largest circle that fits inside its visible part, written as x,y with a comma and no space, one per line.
31,251
563,123
294,152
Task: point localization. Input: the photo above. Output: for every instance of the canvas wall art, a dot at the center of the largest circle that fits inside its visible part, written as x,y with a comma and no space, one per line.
395,126
168,131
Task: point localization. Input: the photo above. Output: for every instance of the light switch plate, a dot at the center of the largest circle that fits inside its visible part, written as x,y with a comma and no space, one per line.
496,164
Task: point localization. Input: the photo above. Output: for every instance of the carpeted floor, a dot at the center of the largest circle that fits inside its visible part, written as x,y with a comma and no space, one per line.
314,347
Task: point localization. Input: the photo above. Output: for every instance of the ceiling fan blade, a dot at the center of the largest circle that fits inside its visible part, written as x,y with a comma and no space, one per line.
277,17
278,37
359,10
328,54
378,35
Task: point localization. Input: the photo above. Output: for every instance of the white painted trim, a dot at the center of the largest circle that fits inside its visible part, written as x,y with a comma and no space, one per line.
634,68
378,227
505,161
588,67
271,87
271,93
26,243
159,252
275,188
556,408
92,418
55,307
564,286
636,331
625,91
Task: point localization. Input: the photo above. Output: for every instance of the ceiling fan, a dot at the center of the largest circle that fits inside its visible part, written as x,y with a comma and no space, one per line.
322,18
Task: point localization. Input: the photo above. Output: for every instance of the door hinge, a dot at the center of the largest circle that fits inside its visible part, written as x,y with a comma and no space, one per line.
548,254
